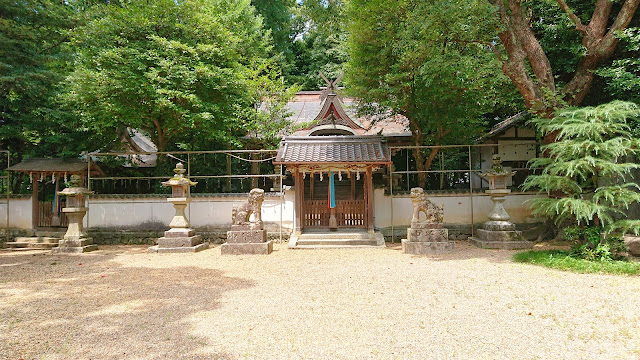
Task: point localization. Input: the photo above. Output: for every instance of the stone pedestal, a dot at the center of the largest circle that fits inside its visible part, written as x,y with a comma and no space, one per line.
427,239
179,240
243,239
75,239
499,232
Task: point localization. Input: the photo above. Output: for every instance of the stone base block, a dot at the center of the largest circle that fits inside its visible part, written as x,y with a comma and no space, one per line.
428,235
506,245
494,225
264,248
75,242
179,233
184,249
246,236
176,242
494,235
426,247
75,249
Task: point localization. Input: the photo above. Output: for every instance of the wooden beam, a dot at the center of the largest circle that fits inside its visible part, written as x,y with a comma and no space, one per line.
369,191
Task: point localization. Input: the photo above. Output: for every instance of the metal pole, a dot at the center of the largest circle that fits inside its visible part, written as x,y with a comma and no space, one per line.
281,202
393,234
471,193
88,185
189,177
8,193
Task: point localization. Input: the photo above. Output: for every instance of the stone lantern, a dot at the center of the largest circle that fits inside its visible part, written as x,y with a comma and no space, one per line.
75,239
180,238
499,232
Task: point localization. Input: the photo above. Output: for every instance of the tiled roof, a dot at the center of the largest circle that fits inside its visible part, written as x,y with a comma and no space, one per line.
507,123
53,165
333,149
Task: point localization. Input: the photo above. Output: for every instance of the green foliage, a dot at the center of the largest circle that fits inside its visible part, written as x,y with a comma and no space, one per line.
436,66
33,60
623,75
583,172
590,244
562,260
180,71
319,44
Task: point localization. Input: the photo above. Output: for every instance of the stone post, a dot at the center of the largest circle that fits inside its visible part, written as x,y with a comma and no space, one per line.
75,239
180,238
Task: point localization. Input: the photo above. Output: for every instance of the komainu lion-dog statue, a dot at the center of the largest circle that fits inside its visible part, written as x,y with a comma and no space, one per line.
434,213
241,213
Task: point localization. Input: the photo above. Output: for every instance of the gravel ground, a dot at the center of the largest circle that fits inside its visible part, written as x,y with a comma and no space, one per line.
122,303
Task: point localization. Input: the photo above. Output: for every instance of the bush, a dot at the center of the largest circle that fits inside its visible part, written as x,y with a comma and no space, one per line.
589,243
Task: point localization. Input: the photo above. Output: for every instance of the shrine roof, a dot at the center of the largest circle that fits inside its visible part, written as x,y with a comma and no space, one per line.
333,149
71,166
306,107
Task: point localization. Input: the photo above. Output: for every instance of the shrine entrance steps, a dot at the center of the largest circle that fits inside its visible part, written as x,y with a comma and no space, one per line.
342,238
43,239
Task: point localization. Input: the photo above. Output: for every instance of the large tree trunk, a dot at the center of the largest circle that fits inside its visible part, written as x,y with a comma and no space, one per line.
524,52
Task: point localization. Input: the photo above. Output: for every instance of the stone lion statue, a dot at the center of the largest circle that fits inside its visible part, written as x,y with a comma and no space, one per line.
434,213
240,214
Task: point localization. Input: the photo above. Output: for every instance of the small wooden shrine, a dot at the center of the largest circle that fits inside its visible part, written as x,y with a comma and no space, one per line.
46,176
332,167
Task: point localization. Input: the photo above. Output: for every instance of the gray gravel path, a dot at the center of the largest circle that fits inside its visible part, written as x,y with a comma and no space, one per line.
122,303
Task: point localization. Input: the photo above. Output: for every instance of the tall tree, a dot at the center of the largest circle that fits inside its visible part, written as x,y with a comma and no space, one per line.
32,63
433,67
536,46
319,44
181,71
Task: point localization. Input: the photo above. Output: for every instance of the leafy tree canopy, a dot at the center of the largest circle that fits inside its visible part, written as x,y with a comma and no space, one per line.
185,72
436,67
552,48
33,60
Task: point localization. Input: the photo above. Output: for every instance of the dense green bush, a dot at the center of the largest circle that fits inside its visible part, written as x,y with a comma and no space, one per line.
591,244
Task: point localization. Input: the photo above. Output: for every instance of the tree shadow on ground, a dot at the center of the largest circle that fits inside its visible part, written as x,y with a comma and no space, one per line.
87,306
464,250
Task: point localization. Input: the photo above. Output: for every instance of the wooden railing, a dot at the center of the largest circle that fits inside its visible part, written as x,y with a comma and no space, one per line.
349,213
45,214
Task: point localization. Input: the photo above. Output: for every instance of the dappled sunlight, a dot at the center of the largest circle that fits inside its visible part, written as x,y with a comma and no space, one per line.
324,303
130,307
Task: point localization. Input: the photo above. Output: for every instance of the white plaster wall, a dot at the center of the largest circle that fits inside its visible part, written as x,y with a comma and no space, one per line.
19,213
202,211
124,213
457,208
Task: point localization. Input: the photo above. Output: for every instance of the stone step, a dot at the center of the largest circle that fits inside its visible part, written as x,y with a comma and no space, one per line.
336,236
337,239
37,239
30,245
304,241
26,249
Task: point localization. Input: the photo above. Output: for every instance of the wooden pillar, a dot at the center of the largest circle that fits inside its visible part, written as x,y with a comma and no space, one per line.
369,193
35,209
353,187
299,195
